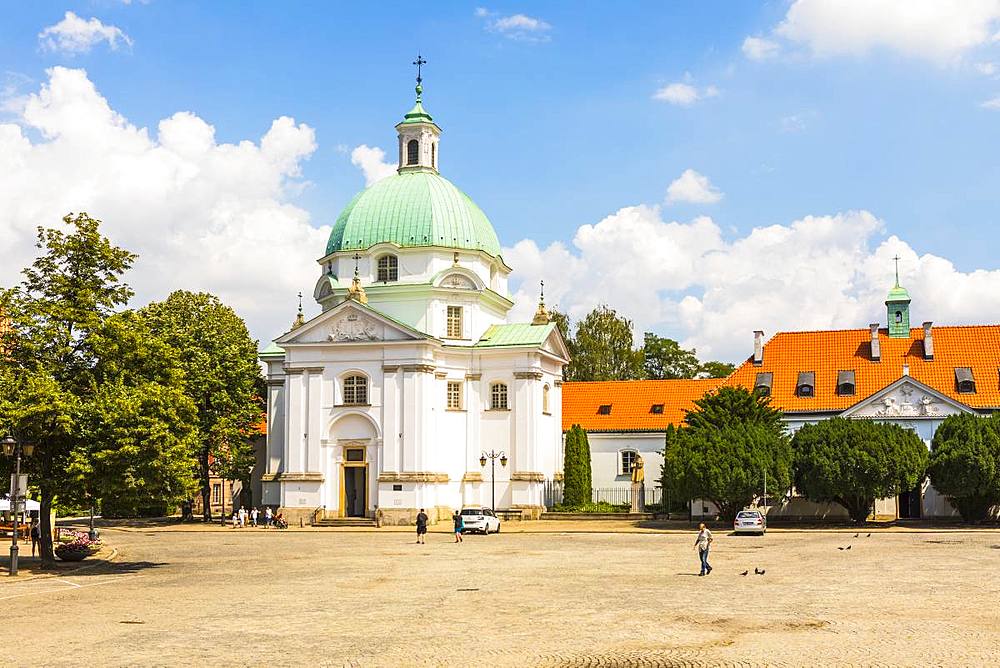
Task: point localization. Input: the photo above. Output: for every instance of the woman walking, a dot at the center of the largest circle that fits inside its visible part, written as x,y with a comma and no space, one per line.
459,526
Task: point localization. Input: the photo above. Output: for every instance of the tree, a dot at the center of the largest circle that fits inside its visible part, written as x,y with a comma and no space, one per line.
576,468
724,447
716,369
602,348
726,465
964,464
221,376
854,462
664,359
47,375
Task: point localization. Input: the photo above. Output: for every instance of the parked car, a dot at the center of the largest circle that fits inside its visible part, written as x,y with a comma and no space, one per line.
750,521
478,518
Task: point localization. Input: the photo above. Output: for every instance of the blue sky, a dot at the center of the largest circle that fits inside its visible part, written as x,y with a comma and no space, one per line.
557,126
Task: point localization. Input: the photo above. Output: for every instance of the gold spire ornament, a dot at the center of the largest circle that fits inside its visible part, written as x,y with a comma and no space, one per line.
542,316
356,292
300,318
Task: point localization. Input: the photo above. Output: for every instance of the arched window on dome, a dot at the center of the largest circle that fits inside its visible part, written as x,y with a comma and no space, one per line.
388,268
412,152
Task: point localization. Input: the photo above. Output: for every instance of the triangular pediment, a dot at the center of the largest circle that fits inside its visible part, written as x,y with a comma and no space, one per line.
906,398
555,345
351,322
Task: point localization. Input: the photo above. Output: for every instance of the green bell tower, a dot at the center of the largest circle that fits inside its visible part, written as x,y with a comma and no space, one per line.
897,305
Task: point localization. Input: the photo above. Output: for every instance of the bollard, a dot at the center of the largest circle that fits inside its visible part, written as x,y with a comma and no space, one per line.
301,525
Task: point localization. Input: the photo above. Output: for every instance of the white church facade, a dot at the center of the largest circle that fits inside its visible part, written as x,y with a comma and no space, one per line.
390,398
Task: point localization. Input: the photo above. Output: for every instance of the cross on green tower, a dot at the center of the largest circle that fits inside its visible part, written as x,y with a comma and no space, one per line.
897,305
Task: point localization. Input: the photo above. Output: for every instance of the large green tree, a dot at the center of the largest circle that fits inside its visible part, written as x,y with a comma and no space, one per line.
965,464
602,348
67,292
577,480
726,465
854,462
715,369
726,445
221,377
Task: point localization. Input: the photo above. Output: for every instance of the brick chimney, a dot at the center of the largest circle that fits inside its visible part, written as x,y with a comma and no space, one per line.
758,347
928,341
876,350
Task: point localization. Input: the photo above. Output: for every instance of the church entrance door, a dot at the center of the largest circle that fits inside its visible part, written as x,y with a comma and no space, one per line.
354,484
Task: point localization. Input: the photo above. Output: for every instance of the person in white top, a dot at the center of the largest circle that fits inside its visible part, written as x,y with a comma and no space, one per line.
703,544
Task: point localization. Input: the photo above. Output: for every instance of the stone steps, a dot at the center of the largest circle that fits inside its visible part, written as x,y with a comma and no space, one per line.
345,522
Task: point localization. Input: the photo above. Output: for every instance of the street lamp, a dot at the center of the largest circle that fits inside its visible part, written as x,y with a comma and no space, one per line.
14,447
493,456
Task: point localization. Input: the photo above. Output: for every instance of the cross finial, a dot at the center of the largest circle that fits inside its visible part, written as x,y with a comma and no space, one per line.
357,257
896,259
542,284
300,302
419,62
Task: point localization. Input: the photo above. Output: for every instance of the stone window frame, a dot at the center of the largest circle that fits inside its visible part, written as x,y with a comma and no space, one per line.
453,395
388,273
354,382
454,324
499,396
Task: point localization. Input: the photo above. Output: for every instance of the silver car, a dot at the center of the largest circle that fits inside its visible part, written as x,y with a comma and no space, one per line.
750,521
478,518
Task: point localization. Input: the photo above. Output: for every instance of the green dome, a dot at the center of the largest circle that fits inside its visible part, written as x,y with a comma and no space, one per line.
411,209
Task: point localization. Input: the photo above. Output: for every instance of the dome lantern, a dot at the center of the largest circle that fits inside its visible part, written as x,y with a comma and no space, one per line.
418,134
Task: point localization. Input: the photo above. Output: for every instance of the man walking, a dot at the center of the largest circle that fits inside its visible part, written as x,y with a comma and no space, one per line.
253,516
703,543
421,526
459,525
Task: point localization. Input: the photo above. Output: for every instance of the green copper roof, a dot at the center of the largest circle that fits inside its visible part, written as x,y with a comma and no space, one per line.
413,209
272,349
418,114
898,294
520,334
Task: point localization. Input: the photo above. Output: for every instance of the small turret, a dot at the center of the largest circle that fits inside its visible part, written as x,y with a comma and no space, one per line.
542,316
897,305
300,318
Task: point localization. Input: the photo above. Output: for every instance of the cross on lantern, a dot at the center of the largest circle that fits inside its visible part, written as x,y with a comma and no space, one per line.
419,62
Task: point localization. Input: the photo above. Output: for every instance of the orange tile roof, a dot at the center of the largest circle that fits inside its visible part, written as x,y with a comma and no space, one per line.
827,352
631,401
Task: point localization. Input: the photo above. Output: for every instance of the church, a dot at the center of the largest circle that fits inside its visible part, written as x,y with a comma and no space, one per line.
411,390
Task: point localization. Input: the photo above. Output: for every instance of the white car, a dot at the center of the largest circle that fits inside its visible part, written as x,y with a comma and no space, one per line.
480,519
750,521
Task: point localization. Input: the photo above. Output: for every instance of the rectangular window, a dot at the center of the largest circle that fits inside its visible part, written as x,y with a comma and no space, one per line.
355,455
628,461
498,397
454,322
604,409
216,493
656,409
454,395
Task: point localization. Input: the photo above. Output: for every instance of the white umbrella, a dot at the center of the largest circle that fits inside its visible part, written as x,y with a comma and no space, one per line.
30,505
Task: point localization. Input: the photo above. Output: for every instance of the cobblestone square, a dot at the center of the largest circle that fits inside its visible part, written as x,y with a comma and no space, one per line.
540,594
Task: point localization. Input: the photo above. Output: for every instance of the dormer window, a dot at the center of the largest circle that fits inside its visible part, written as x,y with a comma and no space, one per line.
762,384
845,383
412,152
965,381
656,409
388,268
604,409
806,384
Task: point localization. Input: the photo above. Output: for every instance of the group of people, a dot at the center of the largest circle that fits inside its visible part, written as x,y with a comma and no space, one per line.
422,519
256,517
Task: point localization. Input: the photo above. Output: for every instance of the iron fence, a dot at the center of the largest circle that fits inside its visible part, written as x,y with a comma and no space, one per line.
618,496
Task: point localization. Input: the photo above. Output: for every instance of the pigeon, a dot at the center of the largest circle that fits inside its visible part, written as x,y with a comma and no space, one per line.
868,536
848,547
841,548
855,535
747,572
758,571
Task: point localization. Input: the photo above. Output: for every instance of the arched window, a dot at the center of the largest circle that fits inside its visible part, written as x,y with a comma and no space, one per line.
434,156
356,390
545,400
412,152
498,396
899,317
388,268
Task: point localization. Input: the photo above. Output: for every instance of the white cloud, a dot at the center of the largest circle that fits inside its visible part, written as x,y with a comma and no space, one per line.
993,103
692,187
986,69
201,214
74,35
684,94
711,293
934,30
371,161
792,123
518,27
758,48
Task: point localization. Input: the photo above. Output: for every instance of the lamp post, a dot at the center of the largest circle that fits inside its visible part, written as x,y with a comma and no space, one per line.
14,447
493,456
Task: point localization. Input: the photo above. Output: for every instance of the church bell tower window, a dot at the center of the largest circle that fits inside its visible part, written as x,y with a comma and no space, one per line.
412,152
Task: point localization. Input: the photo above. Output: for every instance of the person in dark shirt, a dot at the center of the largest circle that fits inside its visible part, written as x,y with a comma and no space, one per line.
36,536
421,526
459,526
